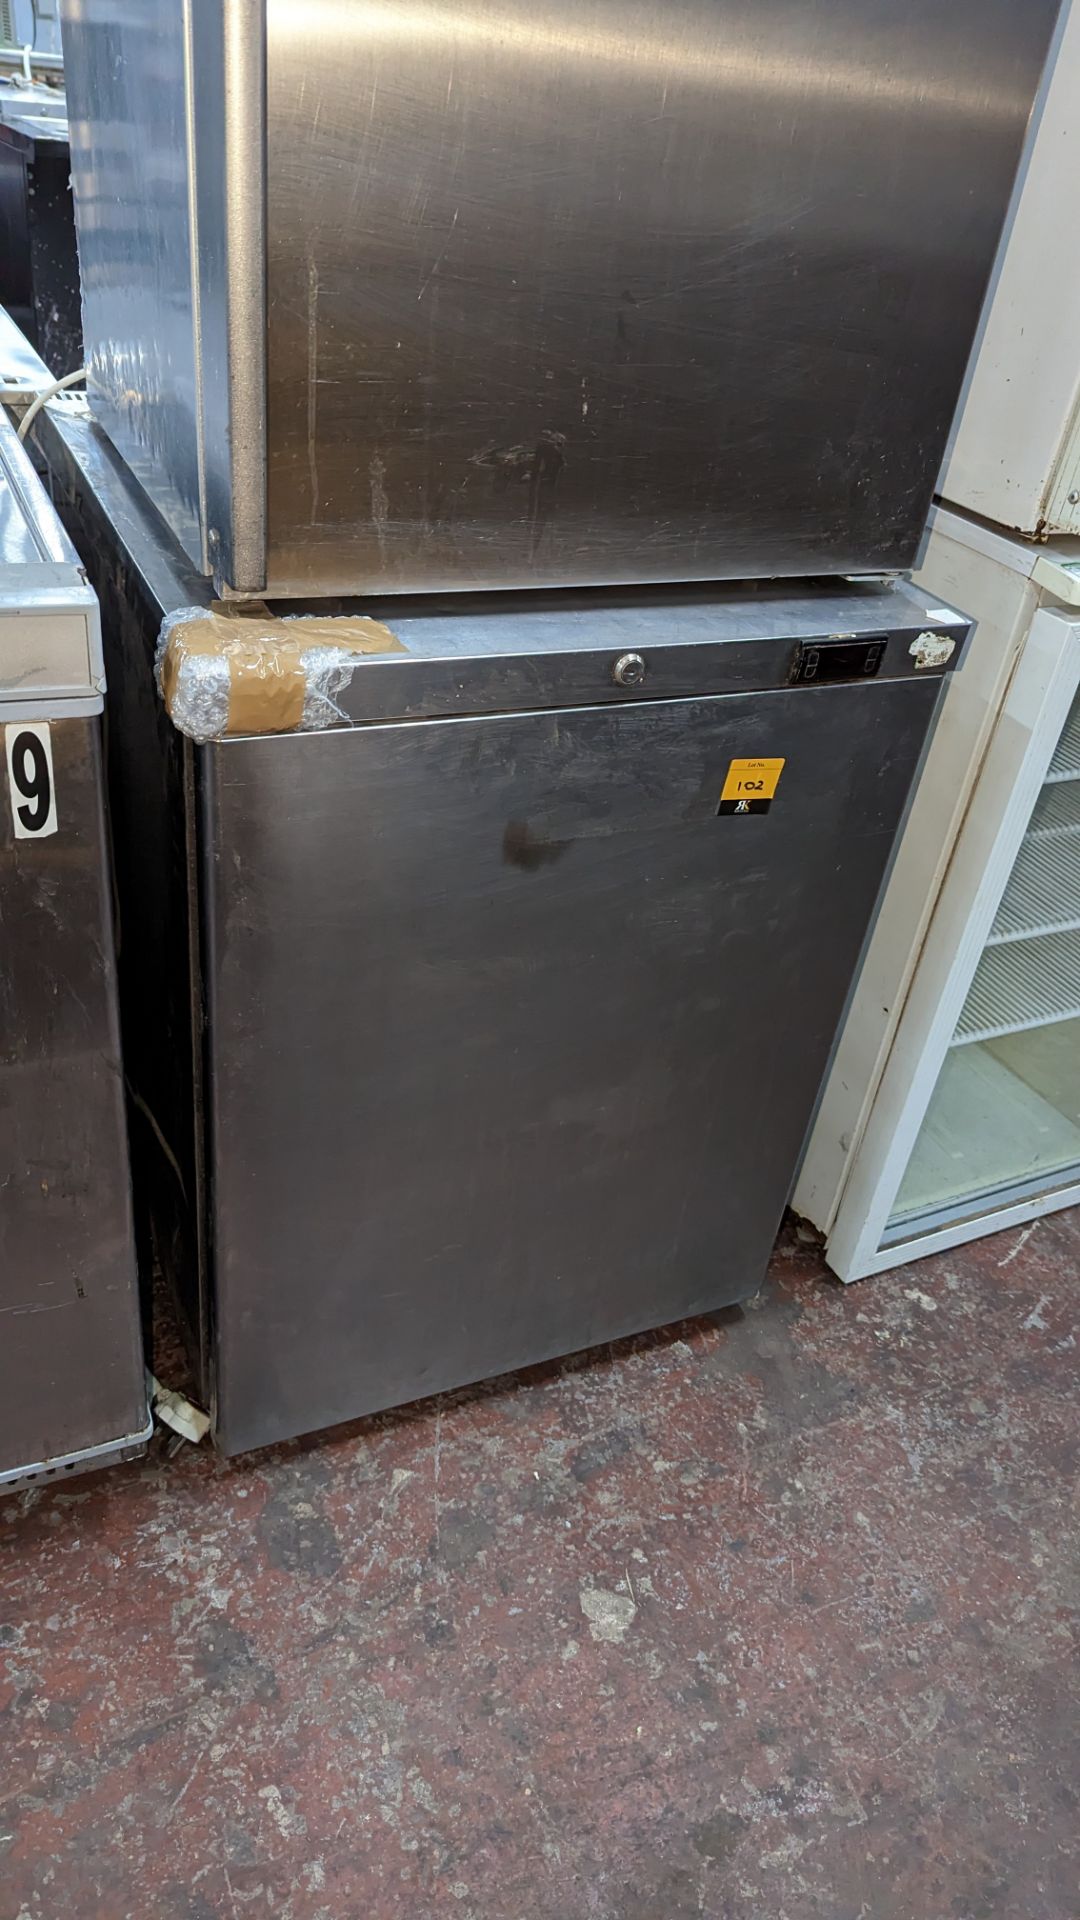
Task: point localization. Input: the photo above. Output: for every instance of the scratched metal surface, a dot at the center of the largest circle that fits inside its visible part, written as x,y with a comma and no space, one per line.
512,1043
71,1370
498,653
592,291
499,625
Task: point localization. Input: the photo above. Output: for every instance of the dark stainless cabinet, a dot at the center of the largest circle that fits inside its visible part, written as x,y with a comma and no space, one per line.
481,1026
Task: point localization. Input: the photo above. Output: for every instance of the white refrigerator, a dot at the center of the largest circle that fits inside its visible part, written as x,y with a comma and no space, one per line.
953,1105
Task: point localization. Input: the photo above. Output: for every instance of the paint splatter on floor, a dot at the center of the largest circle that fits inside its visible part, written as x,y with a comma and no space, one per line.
763,1618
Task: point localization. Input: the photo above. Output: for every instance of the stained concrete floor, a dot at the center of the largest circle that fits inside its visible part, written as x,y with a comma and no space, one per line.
763,1618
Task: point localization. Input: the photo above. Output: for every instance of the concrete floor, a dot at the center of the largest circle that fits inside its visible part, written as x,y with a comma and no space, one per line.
764,1618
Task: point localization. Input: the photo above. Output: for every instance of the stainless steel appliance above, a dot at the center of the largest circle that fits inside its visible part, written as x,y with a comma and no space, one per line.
425,295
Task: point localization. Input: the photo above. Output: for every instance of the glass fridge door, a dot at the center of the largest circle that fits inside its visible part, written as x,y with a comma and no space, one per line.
1003,1123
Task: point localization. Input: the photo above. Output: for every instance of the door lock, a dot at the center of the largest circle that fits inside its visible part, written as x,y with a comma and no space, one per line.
629,670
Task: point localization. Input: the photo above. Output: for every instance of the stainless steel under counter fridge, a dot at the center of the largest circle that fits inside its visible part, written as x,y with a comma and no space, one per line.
71,1369
449,294
487,1023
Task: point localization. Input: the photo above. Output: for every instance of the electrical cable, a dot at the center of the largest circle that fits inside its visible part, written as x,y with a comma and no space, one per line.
42,399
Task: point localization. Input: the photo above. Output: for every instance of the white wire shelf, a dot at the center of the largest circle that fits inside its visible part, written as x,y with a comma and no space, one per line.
1066,762
1057,811
1020,985
1043,894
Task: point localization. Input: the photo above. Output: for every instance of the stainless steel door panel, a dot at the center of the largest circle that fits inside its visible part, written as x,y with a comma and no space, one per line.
512,1041
594,291
71,1372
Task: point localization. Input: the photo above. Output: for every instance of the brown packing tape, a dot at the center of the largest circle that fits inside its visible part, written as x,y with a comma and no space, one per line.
266,686
266,660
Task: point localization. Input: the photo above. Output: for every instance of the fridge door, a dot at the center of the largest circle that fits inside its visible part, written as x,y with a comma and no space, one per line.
976,1123
569,292
515,1025
995,579
582,292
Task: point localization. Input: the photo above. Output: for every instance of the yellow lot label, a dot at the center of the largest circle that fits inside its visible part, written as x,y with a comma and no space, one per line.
752,779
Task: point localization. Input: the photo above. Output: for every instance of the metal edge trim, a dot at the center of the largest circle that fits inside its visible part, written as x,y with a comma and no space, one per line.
977,1207
83,1460
1004,547
241,560
32,501
47,589
200,1066
1051,577
191,146
80,457
50,706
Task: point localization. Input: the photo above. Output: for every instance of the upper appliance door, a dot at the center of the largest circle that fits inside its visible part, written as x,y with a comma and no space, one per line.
595,291
418,294
1015,456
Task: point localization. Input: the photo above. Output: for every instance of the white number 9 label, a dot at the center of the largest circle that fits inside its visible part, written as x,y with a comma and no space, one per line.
30,777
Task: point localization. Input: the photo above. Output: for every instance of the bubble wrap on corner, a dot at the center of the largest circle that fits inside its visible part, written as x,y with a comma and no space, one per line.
200,705
329,671
200,702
